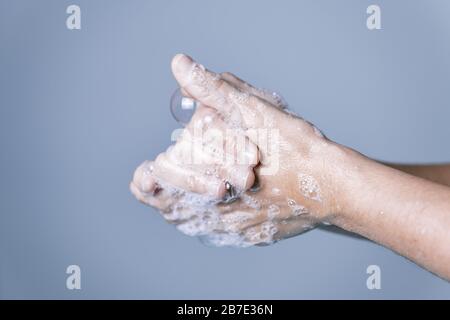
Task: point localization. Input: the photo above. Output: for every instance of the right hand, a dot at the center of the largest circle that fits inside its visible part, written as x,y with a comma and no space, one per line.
293,163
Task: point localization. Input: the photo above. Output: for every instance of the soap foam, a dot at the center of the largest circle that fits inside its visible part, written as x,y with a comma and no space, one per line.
199,216
296,208
309,187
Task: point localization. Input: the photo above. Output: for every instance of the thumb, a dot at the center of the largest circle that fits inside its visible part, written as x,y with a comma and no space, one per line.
210,89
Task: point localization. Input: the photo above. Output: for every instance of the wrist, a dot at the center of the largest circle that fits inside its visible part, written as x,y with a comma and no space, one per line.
345,169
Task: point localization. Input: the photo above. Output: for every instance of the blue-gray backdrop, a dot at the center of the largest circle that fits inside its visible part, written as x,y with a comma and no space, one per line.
80,109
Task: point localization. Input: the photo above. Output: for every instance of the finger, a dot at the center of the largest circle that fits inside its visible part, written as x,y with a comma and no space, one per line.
161,201
187,178
203,85
292,227
137,192
147,189
202,142
242,156
205,116
206,143
240,150
215,145
237,221
261,234
234,164
246,87
208,88
241,178
143,179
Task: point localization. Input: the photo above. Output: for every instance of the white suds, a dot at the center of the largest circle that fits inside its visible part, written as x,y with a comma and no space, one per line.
273,211
276,191
250,201
261,234
198,216
296,208
238,96
309,187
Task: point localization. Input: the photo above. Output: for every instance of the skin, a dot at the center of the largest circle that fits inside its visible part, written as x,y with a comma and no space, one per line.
439,173
305,176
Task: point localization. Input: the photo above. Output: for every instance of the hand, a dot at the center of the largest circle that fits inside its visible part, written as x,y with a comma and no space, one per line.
280,170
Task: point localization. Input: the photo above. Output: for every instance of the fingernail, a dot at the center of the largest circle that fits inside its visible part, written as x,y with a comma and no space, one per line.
220,190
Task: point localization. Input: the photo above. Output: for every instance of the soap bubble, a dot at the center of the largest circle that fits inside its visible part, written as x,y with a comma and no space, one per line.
181,107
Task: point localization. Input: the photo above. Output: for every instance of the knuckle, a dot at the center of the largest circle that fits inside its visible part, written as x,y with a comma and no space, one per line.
222,85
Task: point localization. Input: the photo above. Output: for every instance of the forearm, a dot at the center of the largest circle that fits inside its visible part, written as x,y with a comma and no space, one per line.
405,213
436,173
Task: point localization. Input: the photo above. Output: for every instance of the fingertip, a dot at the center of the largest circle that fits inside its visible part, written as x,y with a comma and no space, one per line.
241,178
181,67
132,187
179,58
135,191
148,184
221,190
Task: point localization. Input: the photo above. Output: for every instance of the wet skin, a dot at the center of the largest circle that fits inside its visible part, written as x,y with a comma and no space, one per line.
303,178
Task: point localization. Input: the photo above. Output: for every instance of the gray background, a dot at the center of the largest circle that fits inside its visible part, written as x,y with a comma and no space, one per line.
81,109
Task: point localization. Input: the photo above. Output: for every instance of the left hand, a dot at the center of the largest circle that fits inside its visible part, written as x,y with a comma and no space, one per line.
224,137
